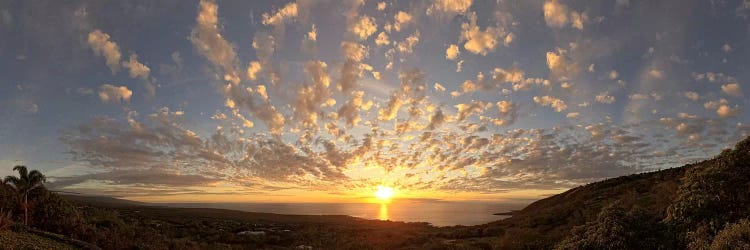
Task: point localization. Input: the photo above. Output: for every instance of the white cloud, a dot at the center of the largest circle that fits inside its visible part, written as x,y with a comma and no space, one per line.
613,75
401,20
478,41
253,69
452,6
365,27
732,89
605,98
136,68
555,14
452,52
101,45
555,103
382,39
656,73
114,94
288,12
725,111
693,96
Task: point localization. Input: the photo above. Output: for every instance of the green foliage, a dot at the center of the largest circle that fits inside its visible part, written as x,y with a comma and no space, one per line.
52,213
712,193
617,229
734,236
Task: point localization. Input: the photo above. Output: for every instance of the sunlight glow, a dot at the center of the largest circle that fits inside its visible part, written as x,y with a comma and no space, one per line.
384,193
383,214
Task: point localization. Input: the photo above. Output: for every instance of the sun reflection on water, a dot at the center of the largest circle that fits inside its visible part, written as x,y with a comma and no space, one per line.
383,215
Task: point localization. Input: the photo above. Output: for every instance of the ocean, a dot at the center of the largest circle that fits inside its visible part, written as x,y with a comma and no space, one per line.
438,213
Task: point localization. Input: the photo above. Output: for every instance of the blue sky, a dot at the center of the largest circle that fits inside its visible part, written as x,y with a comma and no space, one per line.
445,98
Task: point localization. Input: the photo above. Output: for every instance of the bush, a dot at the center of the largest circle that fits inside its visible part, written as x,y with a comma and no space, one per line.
617,229
734,236
5,219
712,194
52,213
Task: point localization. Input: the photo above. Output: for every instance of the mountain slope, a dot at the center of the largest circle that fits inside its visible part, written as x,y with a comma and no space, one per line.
683,207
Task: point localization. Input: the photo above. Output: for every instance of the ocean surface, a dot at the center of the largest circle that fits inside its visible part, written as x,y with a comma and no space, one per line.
438,213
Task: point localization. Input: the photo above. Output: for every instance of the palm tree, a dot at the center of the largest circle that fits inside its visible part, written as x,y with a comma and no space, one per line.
23,184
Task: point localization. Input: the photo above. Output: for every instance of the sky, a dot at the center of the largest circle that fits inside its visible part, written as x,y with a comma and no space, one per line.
324,101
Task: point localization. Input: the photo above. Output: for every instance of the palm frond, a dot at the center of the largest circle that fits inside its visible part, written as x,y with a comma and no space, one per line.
23,172
11,181
36,176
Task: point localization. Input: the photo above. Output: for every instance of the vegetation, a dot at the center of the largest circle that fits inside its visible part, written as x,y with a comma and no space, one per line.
697,206
23,184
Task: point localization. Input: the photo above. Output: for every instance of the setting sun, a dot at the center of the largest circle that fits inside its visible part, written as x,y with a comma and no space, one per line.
384,193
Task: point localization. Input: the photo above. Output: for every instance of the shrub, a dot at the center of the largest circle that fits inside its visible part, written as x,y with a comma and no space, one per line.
734,236
5,219
617,229
53,213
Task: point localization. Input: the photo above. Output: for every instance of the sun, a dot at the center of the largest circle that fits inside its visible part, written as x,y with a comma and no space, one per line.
385,193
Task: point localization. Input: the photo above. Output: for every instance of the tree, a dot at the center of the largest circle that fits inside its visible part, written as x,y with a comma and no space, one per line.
23,184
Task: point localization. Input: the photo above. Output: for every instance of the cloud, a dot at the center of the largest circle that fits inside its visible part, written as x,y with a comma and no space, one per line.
253,69
613,75
724,111
452,52
136,68
102,46
439,87
478,41
382,39
693,96
560,65
114,94
208,40
391,108
382,5
353,53
350,110
139,70
401,19
732,89
160,145
605,98
465,110
557,15
726,48
288,12
365,27
452,6
508,111
555,103
407,46
310,98
437,119
656,73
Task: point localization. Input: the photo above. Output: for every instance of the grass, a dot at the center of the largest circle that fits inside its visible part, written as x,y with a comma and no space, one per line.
28,241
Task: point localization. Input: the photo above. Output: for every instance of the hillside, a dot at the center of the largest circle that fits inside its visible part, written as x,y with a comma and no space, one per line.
684,207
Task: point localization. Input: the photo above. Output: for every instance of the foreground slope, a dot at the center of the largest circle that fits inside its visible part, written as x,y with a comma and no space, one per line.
685,207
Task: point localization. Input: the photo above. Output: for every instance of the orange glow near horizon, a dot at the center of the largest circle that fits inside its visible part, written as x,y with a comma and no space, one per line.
357,195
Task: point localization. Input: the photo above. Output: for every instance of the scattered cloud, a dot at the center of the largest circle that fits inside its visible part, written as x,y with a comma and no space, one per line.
114,94
101,45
